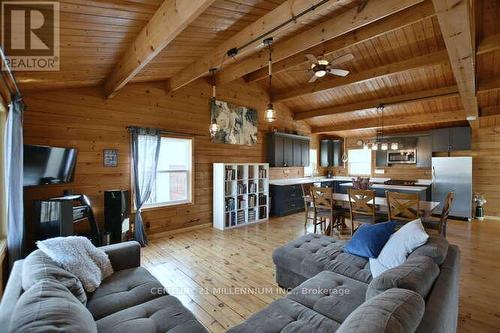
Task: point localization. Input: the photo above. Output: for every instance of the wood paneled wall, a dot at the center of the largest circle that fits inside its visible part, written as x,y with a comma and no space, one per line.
284,173
486,162
82,118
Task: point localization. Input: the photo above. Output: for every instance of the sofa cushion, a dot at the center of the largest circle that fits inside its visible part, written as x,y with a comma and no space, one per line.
48,306
123,289
311,254
368,240
436,247
399,246
395,311
417,274
164,314
286,315
38,266
331,294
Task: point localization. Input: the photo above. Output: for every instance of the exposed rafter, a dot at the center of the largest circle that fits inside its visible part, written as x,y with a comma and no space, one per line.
287,10
167,23
351,20
489,44
419,96
454,17
435,58
394,22
394,121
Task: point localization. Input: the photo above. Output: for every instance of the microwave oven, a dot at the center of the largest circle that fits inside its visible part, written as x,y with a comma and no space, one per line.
402,156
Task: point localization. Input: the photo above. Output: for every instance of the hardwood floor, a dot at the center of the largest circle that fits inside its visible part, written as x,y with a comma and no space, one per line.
224,277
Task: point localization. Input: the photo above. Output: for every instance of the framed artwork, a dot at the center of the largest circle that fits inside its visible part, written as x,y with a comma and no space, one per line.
110,158
238,125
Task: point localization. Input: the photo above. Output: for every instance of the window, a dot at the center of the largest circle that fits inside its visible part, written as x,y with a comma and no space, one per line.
312,168
174,177
360,162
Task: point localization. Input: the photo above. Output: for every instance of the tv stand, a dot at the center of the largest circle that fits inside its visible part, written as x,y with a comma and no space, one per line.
57,216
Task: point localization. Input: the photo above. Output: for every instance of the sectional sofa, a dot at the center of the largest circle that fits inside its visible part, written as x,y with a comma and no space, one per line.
334,291
42,297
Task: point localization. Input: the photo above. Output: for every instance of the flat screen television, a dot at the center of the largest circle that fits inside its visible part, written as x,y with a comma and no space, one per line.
48,165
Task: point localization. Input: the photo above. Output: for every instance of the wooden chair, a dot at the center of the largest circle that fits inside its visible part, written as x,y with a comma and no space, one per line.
308,203
441,223
403,207
324,209
362,208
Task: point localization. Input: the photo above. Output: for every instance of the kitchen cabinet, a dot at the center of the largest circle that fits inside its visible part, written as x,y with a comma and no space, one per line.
331,152
287,150
451,139
381,158
286,200
424,151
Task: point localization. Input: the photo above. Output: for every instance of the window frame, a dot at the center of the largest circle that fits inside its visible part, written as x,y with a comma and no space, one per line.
191,180
349,163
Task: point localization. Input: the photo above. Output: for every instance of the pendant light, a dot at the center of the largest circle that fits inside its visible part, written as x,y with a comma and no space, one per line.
270,114
213,128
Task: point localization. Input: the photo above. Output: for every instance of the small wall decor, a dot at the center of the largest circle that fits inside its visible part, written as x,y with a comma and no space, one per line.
237,125
110,158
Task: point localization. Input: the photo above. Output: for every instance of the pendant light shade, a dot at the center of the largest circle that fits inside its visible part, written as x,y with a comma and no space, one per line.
374,146
270,115
213,128
384,146
394,146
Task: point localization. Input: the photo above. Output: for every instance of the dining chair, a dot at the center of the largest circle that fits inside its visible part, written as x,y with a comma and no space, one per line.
440,223
362,209
324,209
403,207
308,203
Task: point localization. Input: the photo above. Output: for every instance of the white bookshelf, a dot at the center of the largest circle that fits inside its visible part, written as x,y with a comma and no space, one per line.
241,194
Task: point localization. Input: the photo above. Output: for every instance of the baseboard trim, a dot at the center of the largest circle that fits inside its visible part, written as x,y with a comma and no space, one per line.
177,231
491,217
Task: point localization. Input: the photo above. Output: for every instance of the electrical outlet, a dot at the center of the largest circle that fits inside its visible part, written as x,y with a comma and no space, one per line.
379,171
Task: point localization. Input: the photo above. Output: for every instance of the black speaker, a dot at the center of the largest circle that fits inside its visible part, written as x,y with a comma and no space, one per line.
116,214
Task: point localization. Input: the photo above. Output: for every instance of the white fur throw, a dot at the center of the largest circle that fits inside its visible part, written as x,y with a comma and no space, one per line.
80,257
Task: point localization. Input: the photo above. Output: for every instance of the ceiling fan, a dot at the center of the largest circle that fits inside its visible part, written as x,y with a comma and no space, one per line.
320,67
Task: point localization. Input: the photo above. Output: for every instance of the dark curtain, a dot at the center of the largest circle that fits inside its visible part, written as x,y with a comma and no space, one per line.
145,148
14,180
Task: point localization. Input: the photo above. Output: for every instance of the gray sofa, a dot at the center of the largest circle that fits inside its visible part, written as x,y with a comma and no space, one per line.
335,291
42,297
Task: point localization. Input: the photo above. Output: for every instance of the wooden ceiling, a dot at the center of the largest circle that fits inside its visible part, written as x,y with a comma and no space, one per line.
413,56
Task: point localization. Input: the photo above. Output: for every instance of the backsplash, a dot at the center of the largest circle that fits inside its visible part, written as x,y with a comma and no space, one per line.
284,173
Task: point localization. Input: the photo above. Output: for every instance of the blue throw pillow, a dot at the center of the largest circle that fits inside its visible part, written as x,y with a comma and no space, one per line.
369,239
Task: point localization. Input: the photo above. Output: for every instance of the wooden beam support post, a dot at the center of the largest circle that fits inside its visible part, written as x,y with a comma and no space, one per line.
391,23
419,96
394,121
435,58
455,21
167,23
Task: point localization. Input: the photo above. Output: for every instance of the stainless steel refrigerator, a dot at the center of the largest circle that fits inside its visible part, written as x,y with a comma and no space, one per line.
453,174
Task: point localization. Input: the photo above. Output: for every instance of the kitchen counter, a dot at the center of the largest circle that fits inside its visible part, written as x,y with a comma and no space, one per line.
307,180
393,187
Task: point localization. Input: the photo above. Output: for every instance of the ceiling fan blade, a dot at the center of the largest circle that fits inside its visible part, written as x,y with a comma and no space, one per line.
342,59
338,72
311,58
313,78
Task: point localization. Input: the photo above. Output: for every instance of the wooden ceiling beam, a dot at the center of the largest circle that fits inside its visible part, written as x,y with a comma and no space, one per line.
394,121
435,58
287,10
489,44
346,22
167,23
401,99
455,21
391,23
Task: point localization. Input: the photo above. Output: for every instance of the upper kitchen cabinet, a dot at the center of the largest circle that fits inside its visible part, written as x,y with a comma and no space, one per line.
451,139
424,151
331,153
287,150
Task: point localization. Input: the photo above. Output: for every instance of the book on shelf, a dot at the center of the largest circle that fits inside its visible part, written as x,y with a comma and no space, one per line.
229,204
262,199
262,173
252,201
252,215
242,188
252,188
230,174
240,217
241,202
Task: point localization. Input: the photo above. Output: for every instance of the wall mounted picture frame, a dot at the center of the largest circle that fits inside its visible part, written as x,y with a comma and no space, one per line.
110,158
237,125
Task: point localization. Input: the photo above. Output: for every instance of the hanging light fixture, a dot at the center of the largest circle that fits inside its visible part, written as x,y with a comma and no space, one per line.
380,140
394,146
270,114
213,128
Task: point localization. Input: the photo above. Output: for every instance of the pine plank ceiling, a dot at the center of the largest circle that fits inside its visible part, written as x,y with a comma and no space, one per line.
401,60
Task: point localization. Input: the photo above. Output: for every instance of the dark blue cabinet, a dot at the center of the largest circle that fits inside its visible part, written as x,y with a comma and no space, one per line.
287,150
451,139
